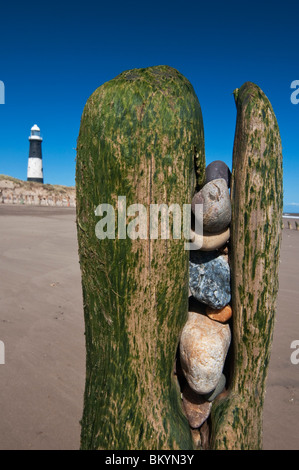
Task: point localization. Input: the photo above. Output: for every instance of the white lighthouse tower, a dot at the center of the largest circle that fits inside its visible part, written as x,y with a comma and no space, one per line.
35,162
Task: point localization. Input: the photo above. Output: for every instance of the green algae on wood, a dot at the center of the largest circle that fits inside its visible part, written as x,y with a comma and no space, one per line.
140,136
256,196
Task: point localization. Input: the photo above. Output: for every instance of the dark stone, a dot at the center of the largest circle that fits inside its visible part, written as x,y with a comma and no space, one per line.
216,170
196,407
209,278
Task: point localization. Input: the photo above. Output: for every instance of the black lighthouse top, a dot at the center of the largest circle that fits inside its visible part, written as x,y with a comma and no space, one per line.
35,150
35,163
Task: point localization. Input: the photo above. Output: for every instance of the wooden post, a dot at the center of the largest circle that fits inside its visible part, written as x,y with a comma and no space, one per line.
255,244
139,136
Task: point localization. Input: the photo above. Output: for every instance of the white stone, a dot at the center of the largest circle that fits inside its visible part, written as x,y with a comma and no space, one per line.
209,241
203,348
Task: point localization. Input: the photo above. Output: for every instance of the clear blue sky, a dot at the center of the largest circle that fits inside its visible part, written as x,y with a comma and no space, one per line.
55,54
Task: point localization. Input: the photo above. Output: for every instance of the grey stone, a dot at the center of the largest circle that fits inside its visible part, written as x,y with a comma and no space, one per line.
209,278
219,388
218,169
215,198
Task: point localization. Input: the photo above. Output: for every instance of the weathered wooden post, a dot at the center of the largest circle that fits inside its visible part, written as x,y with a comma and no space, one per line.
140,134
255,243
139,137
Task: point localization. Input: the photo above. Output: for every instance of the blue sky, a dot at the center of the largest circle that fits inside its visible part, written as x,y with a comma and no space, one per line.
55,54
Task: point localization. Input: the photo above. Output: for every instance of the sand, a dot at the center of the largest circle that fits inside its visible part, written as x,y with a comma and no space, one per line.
281,408
41,325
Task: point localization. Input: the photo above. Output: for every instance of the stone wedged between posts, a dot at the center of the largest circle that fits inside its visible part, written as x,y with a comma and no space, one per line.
209,241
203,348
218,169
215,198
222,315
209,278
206,336
219,389
196,437
196,407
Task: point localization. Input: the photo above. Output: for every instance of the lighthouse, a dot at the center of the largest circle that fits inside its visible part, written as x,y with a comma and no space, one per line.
35,162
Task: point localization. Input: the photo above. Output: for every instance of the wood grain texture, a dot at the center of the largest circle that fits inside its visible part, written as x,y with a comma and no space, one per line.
256,196
140,135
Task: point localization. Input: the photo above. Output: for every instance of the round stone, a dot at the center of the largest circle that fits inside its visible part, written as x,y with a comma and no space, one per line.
209,241
218,169
222,315
196,438
203,349
216,210
209,278
196,407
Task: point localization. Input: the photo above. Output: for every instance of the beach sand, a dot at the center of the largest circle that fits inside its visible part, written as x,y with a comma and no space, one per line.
281,408
42,327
